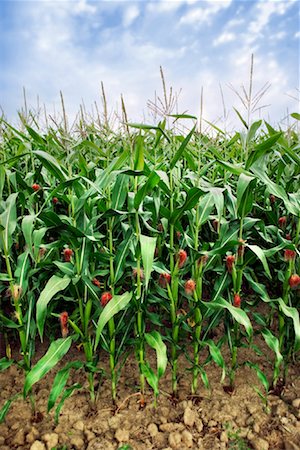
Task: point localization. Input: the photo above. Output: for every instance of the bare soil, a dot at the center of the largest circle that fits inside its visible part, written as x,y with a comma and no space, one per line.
211,420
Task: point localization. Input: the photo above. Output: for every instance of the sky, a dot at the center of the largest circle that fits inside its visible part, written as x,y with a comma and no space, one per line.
72,46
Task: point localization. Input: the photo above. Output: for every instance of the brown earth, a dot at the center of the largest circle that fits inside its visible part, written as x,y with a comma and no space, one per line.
212,420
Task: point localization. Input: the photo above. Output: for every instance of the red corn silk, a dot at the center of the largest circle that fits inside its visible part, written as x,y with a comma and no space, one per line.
55,200
230,262
237,301
134,273
181,258
272,199
105,298
68,252
241,248
294,281
190,287
215,224
63,318
289,255
36,187
164,279
203,260
282,221
96,282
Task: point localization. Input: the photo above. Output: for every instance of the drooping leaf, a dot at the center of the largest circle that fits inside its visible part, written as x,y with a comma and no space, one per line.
54,285
148,245
155,341
8,222
116,304
54,354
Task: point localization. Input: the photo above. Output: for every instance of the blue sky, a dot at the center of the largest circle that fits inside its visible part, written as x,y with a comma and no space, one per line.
48,46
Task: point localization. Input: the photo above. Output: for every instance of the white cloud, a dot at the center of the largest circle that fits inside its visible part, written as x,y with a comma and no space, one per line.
82,7
264,11
297,35
130,14
224,38
204,14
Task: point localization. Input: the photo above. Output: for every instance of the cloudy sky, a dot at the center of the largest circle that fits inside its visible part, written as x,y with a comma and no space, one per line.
48,46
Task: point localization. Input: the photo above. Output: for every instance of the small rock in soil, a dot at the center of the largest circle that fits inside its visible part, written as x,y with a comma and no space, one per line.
100,444
199,424
122,435
224,437
77,442
212,423
89,435
32,435
169,427
256,428
187,438
175,440
19,438
152,429
296,403
259,443
51,440
38,445
189,417
79,425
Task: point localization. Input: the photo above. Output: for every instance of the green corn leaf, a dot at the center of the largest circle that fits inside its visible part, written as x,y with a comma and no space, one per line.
241,118
253,129
35,136
273,343
139,153
116,304
60,381
217,357
152,181
8,222
151,377
293,314
8,323
122,253
51,164
261,255
182,148
4,410
205,206
260,375
68,392
5,363
296,116
21,272
233,168
244,195
27,229
262,148
55,353
148,245
119,192
191,201
155,341
239,315
66,268
54,285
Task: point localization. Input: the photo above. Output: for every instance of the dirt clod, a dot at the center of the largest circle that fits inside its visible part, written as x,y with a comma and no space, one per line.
175,440
122,435
187,439
189,417
51,440
38,445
